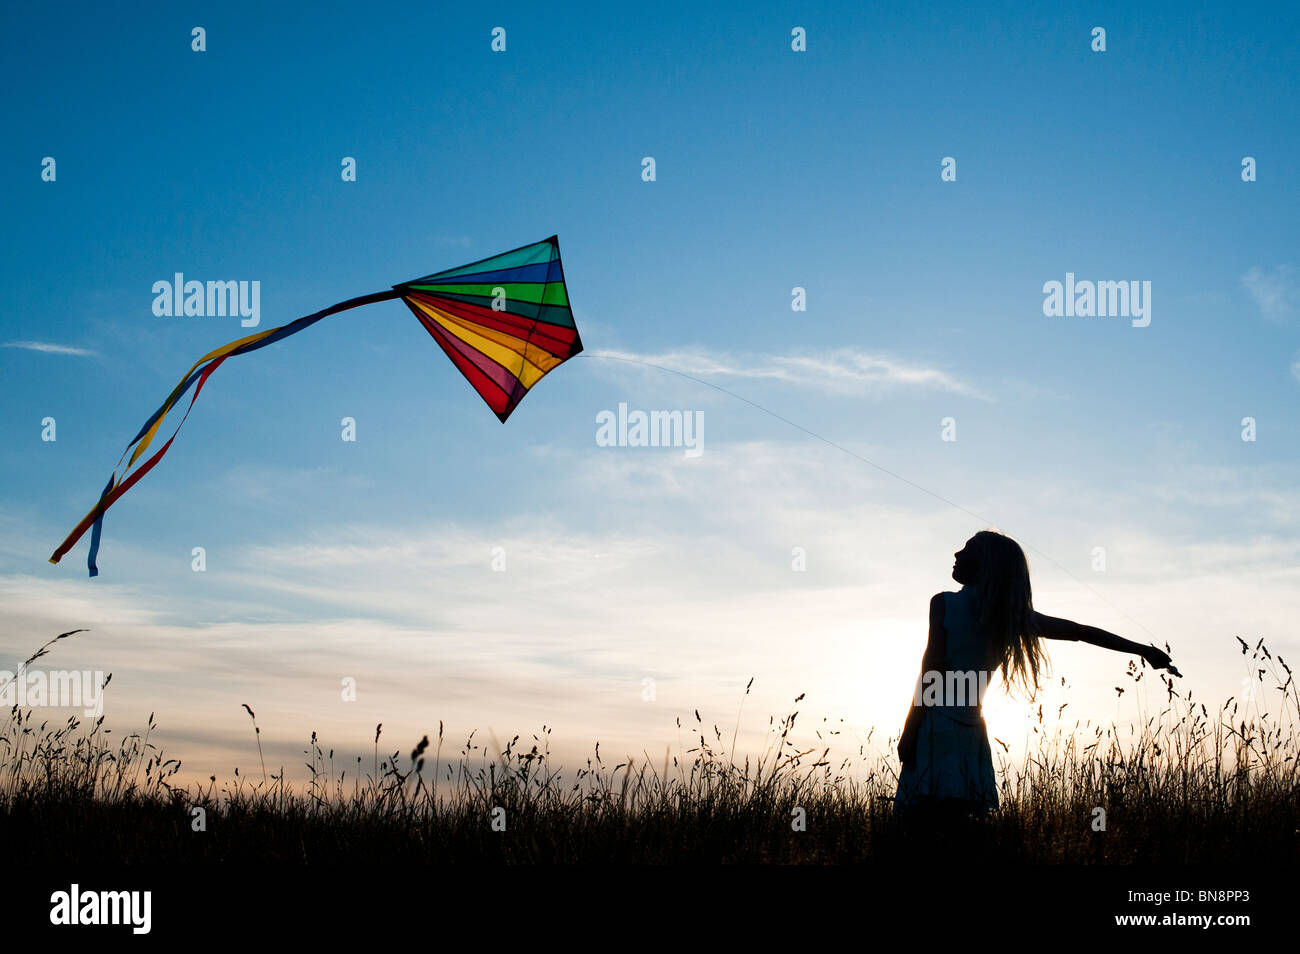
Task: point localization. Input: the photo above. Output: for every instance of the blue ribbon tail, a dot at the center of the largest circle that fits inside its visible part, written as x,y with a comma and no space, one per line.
98,529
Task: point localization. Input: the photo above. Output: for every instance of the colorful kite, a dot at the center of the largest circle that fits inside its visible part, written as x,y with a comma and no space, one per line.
504,321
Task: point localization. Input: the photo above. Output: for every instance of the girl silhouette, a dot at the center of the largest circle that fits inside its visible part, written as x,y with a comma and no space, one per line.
990,624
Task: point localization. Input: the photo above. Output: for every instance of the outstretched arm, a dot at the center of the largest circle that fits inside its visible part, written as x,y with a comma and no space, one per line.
932,660
1056,628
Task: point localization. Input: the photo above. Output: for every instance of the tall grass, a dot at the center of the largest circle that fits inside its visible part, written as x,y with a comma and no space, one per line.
1184,785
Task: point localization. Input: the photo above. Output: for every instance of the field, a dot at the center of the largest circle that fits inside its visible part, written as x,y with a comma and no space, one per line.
1190,786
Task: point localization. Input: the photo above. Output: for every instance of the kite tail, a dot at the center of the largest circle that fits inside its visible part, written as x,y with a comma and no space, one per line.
100,507
199,373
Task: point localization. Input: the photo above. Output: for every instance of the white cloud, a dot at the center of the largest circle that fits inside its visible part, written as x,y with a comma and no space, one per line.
837,371
1276,291
48,348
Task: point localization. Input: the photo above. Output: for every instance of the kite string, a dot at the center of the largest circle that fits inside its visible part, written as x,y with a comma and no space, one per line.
885,470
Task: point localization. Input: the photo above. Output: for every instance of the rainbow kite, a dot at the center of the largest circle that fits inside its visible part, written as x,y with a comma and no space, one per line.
504,321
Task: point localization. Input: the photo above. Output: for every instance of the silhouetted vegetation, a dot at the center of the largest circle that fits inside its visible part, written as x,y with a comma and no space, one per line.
1189,786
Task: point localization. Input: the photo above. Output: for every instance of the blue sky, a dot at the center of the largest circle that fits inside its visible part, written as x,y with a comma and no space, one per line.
775,169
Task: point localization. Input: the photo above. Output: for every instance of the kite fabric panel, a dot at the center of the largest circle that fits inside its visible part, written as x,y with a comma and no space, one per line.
504,321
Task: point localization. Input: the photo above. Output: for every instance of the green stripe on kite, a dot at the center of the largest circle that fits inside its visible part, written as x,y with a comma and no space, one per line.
552,293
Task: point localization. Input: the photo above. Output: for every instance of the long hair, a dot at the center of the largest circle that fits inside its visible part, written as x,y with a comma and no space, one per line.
1006,609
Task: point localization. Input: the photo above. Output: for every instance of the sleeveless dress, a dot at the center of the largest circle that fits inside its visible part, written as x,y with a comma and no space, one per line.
953,763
